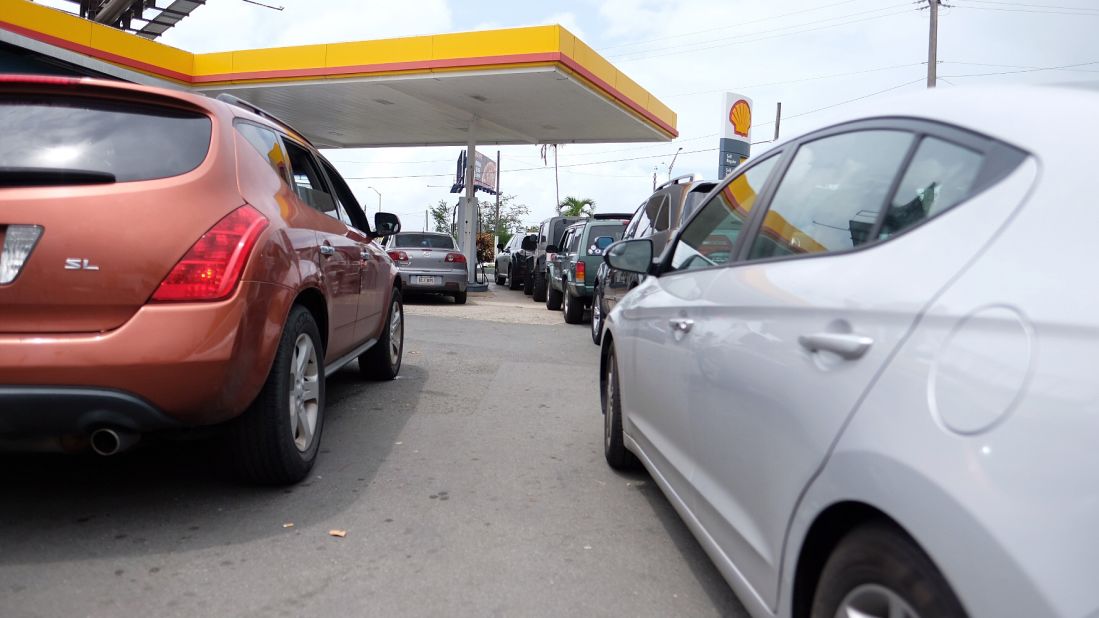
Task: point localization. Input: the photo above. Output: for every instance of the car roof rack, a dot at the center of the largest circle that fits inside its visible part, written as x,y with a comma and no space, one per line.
677,180
612,215
225,97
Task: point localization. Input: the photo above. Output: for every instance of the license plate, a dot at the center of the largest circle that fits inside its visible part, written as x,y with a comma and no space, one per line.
422,280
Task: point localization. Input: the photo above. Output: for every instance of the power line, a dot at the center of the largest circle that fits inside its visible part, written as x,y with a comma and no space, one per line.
1039,6
754,33
799,80
1031,70
746,38
542,168
641,147
744,23
1016,66
450,160
859,98
989,8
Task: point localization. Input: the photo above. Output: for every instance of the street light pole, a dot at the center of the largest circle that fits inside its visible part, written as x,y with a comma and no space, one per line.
673,162
379,197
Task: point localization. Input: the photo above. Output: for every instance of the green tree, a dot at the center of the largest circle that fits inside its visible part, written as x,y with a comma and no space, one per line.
576,207
512,215
442,218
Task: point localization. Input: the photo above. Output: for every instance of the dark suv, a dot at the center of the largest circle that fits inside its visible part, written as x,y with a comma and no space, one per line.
571,271
549,233
657,218
519,261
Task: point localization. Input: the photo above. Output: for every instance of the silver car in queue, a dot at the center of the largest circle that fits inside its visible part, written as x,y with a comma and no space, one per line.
864,371
429,262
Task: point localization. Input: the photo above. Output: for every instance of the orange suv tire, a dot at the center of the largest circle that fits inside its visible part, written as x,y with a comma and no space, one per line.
275,441
383,360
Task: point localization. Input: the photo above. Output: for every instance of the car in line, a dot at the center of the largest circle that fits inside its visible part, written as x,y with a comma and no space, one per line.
430,262
502,263
862,371
571,271
658,217
549,234
519,263
172,262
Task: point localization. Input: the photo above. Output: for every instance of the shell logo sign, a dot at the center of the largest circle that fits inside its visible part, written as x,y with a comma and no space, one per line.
740,116
736,126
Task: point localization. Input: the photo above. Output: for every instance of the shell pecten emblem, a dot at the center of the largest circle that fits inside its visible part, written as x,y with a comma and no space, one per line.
740,115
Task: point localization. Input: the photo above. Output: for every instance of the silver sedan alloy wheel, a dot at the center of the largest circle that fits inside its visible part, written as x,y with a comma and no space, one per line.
874,601
608,407
596,315
304,392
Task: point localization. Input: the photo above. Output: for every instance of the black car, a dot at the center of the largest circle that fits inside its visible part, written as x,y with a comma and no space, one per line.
658,217
549,233
511,262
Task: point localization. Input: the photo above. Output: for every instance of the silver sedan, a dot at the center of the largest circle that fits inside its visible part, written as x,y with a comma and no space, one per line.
864,372
429,262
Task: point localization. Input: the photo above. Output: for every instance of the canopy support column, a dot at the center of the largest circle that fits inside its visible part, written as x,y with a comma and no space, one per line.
468,212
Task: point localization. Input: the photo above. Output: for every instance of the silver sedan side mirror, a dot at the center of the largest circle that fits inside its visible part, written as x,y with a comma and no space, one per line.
634,255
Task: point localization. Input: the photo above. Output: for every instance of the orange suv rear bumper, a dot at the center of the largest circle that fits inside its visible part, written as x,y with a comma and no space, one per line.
171,364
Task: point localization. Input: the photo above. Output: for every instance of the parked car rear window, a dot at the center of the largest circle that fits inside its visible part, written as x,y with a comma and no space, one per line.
615,231
130,141
709,238
691,204
429,241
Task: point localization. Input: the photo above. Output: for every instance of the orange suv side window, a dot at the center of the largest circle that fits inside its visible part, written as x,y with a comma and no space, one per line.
267,144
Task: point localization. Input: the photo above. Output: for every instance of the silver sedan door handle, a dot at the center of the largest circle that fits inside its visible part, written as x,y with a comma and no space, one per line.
327,250
846,345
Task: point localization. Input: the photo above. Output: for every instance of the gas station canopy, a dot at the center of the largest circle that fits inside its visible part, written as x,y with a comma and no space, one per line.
516,86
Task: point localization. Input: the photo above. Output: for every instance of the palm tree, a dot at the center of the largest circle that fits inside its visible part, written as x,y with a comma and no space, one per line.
576,207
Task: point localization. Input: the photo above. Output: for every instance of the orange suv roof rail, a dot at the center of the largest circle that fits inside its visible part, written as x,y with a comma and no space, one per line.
225,97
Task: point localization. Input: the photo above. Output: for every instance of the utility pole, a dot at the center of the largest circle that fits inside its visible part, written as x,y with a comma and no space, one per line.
556,181
933,43
496,222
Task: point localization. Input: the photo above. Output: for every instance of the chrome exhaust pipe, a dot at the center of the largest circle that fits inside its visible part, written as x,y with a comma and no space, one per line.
106,441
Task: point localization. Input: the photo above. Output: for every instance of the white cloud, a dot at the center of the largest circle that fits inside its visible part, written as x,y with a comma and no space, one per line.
568,20
240,25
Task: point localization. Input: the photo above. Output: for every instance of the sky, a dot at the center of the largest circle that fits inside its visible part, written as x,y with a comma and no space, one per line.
812,55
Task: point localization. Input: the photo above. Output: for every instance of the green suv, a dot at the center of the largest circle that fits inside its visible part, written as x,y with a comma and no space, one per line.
571,267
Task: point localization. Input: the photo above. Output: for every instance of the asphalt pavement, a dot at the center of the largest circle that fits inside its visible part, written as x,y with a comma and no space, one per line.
473,485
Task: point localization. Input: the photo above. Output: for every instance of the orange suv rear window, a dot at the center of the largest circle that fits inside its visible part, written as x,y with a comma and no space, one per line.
64,140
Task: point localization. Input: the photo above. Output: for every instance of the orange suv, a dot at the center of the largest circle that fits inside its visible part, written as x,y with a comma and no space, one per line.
172,261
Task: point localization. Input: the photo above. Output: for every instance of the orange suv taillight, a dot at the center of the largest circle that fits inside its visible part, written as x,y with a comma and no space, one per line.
211,269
